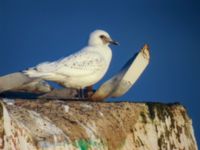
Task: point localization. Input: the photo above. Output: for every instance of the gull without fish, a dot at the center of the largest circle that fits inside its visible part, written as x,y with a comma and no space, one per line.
81,69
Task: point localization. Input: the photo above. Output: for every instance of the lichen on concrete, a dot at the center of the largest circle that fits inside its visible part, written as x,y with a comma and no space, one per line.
79,125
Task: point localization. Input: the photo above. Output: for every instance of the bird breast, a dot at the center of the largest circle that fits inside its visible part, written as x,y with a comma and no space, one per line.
101,67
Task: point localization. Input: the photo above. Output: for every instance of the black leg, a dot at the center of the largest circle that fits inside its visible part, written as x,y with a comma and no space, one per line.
80,93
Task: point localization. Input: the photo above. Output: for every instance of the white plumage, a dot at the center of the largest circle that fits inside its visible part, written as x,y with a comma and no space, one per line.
81,69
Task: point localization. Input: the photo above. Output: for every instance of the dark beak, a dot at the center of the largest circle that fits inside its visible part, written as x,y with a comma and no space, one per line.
114,42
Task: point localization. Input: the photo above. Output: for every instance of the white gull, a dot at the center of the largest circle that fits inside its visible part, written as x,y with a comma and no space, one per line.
81,69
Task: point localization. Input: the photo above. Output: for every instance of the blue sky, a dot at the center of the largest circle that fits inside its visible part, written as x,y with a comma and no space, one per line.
33,31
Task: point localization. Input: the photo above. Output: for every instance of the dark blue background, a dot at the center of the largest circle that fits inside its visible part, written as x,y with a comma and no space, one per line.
33,31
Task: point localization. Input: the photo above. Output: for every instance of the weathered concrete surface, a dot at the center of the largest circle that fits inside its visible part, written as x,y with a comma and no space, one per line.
74,125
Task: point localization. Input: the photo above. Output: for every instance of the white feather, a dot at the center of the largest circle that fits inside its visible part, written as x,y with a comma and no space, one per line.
84,68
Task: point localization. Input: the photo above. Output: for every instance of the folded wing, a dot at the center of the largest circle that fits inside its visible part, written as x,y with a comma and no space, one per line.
79,64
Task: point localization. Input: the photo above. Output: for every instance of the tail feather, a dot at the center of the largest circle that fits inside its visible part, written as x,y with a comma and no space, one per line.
35,74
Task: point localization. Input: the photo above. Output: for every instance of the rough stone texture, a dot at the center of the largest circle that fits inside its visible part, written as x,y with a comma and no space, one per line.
76,125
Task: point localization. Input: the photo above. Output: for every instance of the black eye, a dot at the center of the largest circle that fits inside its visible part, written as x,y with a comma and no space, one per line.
102,36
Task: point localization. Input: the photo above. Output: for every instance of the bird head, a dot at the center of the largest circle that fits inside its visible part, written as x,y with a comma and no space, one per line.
100,37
